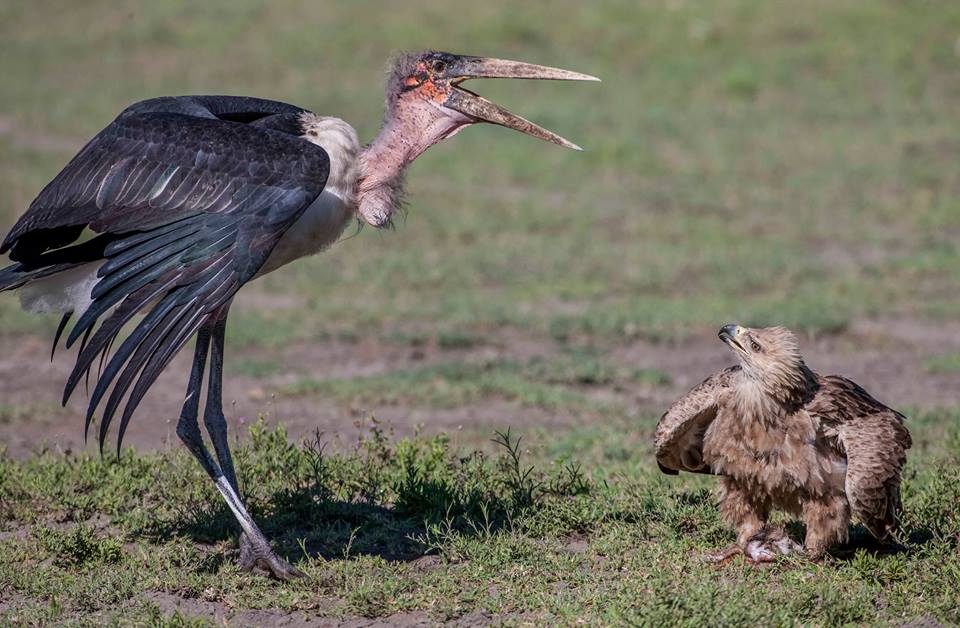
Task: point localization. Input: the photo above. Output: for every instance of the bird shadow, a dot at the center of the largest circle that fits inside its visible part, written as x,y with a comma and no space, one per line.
317,513
861,541
306,523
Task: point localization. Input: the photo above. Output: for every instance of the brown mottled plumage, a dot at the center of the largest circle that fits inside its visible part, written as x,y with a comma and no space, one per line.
783,437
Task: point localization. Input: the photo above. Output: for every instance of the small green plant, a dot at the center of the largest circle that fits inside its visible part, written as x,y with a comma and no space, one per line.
417,525
519,481
78,546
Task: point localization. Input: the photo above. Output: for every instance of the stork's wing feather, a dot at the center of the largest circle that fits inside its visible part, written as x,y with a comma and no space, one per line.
874,440
191,206
678,440
164,158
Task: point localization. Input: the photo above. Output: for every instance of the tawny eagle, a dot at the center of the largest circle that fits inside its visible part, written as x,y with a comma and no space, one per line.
783,437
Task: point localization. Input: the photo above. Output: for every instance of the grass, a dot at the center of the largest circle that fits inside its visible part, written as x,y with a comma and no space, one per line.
551,384
943,363
519,532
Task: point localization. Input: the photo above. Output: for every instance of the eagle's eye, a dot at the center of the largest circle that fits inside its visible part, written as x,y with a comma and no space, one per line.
755,346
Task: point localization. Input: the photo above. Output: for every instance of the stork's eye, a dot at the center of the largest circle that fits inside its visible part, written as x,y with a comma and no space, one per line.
439,66
755,346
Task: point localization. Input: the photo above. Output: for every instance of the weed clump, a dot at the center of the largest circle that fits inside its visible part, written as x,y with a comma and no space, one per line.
78,546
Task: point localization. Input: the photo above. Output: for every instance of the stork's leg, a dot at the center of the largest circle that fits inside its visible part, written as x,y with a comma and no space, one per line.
254,548
188,429
213,417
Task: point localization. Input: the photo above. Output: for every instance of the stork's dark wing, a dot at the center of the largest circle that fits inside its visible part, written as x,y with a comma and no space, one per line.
161,158
190,203
678,440
874,440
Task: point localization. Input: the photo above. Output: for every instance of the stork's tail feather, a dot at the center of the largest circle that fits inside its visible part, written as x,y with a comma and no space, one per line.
50,263
180,275
18,275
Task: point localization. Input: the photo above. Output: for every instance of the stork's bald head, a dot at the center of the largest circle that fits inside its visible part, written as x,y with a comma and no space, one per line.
770,356
433,80
427,103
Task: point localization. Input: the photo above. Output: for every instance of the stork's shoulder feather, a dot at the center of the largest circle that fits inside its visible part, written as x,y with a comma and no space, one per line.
167,157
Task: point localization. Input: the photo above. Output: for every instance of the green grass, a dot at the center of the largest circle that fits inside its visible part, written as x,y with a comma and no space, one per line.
519,530
550,384
13,413
257,368
943,363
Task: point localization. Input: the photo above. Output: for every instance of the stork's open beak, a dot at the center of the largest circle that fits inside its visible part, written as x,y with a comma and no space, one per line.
482,110
729,335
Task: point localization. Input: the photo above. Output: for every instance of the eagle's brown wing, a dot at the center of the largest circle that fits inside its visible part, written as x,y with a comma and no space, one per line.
874,440
678,440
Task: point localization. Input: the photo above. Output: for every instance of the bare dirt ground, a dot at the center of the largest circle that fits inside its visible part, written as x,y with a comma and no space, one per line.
886,357
217,614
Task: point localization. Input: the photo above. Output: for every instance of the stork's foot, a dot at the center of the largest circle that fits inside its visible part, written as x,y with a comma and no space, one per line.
256,555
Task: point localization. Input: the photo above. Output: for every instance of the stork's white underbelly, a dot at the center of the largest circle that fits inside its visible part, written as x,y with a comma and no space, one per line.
319,227
67,291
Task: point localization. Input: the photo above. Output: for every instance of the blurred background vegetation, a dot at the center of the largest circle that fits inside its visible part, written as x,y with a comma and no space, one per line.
767,162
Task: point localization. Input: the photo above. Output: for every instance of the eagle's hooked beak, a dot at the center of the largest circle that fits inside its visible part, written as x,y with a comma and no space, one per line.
480,109
730,335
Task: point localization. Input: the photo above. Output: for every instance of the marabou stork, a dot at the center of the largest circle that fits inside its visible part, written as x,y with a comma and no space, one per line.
188,198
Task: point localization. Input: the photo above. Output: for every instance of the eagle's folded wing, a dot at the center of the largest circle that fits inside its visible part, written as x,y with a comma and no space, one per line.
678,440
874,440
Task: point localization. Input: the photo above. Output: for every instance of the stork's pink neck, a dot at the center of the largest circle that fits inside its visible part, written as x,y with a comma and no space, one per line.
407,132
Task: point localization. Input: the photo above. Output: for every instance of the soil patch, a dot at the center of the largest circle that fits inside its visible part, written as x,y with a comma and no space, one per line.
886,357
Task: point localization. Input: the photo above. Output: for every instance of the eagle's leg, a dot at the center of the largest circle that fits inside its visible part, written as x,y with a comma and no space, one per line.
827,520
743,510
188,429
255,551
746,513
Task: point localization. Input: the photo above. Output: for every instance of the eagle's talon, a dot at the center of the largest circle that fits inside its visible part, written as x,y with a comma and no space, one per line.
723,556
759,552
769,543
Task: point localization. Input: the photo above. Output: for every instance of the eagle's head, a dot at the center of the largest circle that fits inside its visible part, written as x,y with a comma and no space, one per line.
770,356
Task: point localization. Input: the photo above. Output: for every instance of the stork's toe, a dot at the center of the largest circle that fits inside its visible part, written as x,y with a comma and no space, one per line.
260,558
